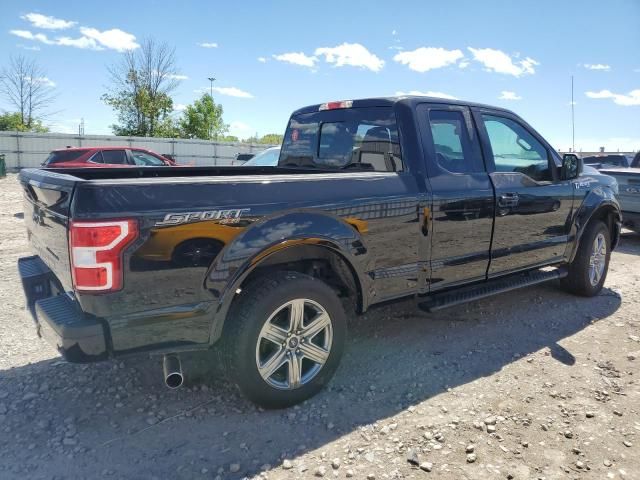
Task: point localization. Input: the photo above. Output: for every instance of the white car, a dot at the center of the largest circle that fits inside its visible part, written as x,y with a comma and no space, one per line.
266,158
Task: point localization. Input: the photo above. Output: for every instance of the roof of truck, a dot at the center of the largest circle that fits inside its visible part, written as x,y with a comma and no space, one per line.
411,100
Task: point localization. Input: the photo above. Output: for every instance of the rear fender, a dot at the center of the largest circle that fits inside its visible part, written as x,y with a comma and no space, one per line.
598,203
268,237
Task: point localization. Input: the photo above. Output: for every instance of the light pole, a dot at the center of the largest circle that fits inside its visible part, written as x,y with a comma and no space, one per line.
211,80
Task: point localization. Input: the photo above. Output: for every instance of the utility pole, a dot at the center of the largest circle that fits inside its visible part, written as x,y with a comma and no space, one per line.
573,120
211,80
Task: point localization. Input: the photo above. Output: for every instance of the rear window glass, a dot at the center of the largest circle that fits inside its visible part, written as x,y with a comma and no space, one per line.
351,138
64,156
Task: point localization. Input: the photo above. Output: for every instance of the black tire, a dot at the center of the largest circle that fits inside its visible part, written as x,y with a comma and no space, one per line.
578,281
250,312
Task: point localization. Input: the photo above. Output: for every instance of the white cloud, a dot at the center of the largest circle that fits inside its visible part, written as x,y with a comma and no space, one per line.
25,47
173,76
232,92
507,95
26,34
240,129
424,59
262,59
428,93
597,66
498,61
114,39
352,54
208,45
297,58
46,81
49,23
93,39
463,64
179,107
630,99
80,42
393,32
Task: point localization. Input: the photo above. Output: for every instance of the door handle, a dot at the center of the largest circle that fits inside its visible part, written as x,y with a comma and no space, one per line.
508,200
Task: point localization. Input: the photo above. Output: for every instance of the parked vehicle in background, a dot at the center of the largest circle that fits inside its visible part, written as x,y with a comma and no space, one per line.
105,157
243,157
372,200
636,160
266,158
607,161
629,194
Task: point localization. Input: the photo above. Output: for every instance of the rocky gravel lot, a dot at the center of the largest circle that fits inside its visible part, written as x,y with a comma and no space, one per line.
536,384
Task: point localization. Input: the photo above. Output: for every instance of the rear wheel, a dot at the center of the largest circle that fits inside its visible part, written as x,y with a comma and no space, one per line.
284,338
588,271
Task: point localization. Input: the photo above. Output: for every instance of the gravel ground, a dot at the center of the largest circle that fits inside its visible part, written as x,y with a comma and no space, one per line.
537,384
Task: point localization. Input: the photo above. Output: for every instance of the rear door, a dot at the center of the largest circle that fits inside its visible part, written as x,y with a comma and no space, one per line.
47,198
462,197
533,206
115,157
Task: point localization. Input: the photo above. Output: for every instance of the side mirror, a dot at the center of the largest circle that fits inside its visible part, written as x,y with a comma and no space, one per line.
572,166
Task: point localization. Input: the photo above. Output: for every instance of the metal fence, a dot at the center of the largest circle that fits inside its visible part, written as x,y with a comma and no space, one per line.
31,149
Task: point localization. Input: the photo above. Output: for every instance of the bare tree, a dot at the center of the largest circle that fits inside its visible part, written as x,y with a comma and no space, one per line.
26,87
141,86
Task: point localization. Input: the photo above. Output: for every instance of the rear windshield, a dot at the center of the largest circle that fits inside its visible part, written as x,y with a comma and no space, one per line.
64,156
350,138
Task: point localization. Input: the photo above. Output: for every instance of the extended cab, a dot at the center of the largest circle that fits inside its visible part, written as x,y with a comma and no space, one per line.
372,200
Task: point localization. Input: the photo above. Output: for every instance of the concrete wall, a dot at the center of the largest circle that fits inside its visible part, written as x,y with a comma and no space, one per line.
31,149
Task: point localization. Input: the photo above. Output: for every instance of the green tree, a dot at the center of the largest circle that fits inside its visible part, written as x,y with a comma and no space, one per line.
272,138
13,121
269,139
26,88
141,90
203,119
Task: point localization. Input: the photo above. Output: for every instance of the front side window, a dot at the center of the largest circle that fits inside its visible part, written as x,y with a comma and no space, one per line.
515,149
114,157
451,141
144,159
351,138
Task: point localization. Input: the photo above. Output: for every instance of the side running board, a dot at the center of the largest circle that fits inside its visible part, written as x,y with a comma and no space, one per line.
439,301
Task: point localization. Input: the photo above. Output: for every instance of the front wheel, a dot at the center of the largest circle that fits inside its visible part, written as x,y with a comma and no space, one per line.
284,338
588,270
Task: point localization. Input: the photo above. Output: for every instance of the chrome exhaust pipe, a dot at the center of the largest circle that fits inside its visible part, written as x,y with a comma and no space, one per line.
173,377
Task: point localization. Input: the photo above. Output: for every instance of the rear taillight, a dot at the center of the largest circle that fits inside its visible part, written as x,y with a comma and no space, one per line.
96,253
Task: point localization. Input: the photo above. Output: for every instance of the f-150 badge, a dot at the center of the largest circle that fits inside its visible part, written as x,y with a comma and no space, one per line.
221,216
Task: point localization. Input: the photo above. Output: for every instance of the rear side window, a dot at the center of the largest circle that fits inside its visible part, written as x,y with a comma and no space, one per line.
451,141
351,138
64,156
114,157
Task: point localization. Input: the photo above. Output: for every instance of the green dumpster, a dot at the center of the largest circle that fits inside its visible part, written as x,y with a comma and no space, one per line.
3,166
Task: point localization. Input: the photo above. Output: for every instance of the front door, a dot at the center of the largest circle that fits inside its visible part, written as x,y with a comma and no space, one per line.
462,197
533,205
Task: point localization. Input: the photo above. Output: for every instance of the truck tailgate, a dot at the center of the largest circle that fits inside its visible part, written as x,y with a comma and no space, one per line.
47,197
628,187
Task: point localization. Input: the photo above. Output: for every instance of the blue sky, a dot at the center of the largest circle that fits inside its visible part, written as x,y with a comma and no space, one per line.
270,58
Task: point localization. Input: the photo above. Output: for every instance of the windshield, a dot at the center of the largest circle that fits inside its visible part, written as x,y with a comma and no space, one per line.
266,158
64,156
365,138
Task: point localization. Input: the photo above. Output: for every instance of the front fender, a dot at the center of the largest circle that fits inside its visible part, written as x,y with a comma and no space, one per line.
268,236
602,198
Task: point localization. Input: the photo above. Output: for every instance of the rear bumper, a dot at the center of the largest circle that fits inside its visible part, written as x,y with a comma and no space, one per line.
78,337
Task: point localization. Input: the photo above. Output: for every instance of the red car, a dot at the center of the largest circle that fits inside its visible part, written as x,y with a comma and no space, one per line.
105,157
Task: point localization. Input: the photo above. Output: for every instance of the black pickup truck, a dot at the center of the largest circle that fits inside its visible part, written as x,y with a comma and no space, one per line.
372,200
